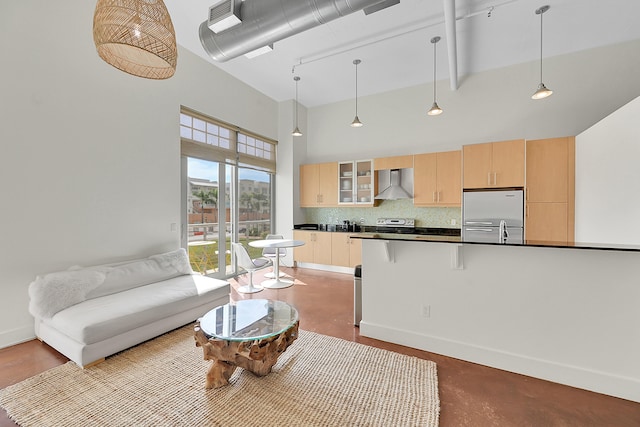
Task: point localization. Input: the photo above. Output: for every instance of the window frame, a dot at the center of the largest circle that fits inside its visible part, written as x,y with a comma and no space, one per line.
200,149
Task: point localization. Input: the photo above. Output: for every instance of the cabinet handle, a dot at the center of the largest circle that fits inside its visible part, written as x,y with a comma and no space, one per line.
439,196
434,196
488,178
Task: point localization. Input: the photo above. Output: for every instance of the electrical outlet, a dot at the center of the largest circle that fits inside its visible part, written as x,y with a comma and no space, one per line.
426,311
453,221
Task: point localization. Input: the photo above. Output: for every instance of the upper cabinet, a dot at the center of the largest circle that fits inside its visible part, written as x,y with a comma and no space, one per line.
356,182
319,185
550,190
437,180
397,162
550,169
494,164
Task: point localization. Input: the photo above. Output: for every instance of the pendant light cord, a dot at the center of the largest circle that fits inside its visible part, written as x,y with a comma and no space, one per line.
434,71
541,46
356,64
297,102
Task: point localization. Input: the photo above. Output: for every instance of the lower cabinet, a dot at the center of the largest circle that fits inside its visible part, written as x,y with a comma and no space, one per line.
345,252
327,248
317,247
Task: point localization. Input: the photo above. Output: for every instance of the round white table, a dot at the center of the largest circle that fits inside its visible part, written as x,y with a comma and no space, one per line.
277,283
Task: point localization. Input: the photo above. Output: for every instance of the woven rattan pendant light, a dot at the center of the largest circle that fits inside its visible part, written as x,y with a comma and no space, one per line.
136,36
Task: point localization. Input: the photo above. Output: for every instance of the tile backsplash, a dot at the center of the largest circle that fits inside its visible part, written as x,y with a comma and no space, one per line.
425,217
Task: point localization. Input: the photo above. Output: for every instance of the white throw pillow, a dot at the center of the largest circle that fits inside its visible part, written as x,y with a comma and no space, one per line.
178,259
156,268
54,292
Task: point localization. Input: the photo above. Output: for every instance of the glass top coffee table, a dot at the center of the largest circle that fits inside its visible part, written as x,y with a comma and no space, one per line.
250,334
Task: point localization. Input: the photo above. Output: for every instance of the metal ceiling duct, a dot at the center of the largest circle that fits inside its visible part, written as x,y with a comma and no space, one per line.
265,22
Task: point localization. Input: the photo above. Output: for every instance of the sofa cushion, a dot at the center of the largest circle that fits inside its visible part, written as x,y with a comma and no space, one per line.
100,318
142,272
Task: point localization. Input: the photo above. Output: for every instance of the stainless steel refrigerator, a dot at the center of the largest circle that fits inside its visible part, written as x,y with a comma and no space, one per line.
493,216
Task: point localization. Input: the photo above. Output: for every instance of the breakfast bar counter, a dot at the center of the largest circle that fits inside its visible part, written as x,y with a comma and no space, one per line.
450,238
563,314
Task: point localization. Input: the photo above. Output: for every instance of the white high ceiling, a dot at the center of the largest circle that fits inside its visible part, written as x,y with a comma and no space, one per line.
394,46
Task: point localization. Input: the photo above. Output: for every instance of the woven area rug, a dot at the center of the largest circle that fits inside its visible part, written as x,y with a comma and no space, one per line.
318,381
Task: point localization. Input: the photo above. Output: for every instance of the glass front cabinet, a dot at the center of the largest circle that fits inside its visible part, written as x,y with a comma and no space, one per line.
356,182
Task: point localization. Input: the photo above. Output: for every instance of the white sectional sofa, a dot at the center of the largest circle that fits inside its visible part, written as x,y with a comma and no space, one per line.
90,313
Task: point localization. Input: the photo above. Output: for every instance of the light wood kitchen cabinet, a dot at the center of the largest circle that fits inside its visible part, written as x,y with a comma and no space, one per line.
547,222
319,184
550,169
345,252
317,247
355,252
550,190
357,184
494,164
437,179
397,162
327,248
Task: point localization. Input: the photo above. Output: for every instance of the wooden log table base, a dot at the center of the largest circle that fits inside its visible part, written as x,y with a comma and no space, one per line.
257,356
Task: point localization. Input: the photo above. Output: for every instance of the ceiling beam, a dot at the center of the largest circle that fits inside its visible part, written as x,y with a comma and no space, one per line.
450,29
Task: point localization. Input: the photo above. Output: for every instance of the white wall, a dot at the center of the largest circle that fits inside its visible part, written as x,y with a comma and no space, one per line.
90,160
566,315
608,179
291,153
490,106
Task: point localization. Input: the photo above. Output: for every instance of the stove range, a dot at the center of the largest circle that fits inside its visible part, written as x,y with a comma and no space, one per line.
396,225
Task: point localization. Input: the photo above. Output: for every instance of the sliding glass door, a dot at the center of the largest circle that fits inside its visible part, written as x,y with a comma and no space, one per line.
222,206
207,216
254,204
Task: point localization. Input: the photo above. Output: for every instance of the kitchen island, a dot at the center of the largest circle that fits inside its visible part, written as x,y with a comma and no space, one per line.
564,314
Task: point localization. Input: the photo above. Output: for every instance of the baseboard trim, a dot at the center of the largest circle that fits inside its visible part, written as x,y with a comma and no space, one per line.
574,376
323,267
16,336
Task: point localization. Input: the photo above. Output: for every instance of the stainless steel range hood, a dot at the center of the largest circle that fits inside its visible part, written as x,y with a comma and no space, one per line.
265,22
395,190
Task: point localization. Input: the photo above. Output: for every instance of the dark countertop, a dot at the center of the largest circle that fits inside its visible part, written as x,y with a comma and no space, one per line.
528,243
422,231
433,234
452,235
